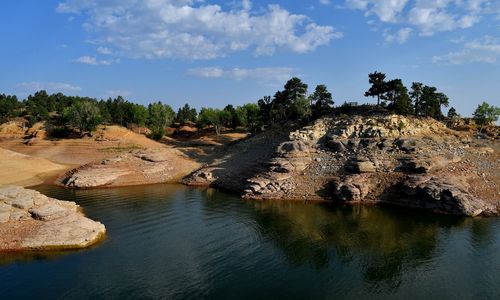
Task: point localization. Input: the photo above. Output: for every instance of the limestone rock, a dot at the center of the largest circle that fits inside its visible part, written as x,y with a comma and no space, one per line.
32,221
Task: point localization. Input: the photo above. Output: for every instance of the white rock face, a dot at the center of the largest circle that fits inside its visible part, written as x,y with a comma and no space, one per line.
32,221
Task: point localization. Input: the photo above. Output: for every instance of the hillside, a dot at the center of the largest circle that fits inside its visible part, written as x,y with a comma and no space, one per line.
112,156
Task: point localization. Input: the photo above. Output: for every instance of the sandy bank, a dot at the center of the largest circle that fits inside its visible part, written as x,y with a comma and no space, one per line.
25,170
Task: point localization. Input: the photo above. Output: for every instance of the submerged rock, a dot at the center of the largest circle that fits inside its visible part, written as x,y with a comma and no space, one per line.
32,221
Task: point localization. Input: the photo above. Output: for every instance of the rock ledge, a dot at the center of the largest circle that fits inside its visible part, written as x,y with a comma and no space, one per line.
32,221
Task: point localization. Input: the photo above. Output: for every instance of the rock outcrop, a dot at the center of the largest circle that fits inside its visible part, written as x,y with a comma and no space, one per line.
32,221
132,168
386,159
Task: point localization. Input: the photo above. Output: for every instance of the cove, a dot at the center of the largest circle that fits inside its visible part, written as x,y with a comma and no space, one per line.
175,242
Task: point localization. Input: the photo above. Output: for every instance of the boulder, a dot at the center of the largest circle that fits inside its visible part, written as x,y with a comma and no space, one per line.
360,165
352,188
420,164
337,145
407,145
443,195
293,148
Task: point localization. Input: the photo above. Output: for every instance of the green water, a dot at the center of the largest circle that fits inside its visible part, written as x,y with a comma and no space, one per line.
173,242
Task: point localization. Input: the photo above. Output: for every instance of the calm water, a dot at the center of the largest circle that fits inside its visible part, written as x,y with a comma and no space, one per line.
173,242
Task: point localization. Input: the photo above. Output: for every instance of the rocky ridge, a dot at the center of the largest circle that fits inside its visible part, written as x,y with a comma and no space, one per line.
32,221
404,161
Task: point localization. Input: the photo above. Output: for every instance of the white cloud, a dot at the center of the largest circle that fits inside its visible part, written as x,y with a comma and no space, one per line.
484,50
385,10
91,60
426,16
88,60
51,87
104,50
195,29
325,2
264,75
401,36
208,72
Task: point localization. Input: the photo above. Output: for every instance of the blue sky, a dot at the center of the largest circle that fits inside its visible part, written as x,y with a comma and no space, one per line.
211,53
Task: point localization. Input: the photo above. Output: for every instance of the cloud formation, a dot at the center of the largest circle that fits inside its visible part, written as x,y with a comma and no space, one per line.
92,60
263,75
194,29
427,17
483,50
400,37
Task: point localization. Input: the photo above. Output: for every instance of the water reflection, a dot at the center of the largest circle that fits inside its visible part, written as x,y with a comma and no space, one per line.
175,242
384,243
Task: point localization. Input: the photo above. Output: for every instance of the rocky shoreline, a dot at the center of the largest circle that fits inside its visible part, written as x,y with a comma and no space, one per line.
30,221
385,159
358,159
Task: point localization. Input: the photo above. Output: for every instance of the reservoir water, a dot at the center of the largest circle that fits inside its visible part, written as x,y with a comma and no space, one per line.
174,242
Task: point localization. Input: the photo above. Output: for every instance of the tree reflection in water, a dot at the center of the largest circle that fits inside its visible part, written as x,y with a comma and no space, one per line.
385,243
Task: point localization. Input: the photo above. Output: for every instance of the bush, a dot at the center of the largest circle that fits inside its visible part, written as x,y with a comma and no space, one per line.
157,133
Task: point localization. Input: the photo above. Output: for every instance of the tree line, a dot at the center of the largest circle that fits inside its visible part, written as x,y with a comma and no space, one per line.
84,114
421,100
292,103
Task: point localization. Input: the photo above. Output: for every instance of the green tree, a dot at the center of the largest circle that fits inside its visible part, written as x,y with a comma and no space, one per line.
160,117
186,114
232,118
213,117
431,101
119,111
291,103
280,107
252,115
140,115
300,109
378,85
452,113
9,107
242,118
486,114
295,90
37,106
416,95
397,94
265,108
321,101
83,115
